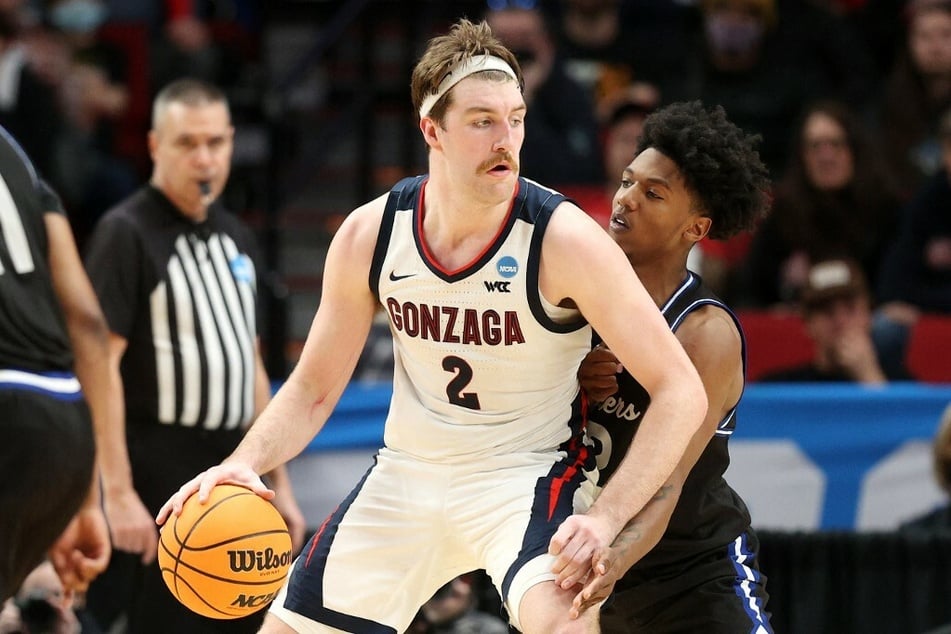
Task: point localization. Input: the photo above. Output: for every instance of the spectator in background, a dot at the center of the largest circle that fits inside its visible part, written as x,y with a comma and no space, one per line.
816,37
917,92
41,606
29,103
916,273
877,24
623,121
561,144
607,44
187,44
837,314
93,97
938,519
833,200
740,63
455,609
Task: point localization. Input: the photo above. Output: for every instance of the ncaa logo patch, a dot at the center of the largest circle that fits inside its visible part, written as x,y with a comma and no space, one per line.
241,268
507,266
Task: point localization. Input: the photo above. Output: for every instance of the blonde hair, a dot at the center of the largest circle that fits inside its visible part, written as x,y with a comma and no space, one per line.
444,53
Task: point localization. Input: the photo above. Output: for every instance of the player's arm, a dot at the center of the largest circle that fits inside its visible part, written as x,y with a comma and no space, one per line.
304,402
580,263
278,478
711,340
82,552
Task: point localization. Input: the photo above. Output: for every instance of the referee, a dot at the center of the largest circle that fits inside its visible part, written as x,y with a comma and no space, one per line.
176,275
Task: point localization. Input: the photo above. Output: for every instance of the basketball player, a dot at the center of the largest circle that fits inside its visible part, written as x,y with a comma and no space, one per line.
50,327
175,273
693,552
487,280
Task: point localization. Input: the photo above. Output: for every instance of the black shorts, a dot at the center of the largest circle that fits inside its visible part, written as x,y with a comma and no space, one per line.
720,591
46,466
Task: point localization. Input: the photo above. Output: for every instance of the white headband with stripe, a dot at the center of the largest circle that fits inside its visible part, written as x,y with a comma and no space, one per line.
474,64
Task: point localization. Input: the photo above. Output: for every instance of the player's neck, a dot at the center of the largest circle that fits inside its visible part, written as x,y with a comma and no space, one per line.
661,279
456,230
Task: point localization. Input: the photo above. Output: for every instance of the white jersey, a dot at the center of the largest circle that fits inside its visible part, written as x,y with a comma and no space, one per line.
483,364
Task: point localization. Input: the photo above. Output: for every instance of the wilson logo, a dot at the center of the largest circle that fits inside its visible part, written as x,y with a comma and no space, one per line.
253,601
501,287
261,560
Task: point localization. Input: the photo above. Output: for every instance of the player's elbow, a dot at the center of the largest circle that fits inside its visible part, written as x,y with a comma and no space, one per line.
693,397
86,321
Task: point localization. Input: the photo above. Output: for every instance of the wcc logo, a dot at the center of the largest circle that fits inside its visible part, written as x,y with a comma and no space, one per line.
507,267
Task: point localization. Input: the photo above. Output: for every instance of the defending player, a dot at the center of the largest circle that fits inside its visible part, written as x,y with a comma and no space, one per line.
692,549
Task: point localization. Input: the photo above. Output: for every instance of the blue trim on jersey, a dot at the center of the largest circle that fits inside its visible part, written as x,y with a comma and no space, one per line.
62,386
742,556
305,587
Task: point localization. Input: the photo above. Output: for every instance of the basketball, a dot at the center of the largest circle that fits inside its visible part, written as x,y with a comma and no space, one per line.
226,558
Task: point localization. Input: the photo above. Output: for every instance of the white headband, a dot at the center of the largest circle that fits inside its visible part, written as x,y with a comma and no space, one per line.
472,65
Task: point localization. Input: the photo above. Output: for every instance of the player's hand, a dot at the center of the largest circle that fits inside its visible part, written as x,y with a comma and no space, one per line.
237,473
598,373
130,523
82,552
599,584
577,544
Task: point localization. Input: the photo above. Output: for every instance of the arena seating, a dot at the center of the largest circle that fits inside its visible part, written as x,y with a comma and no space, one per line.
773,340
776,340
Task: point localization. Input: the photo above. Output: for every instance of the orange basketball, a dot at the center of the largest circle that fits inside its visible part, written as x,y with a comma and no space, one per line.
226,558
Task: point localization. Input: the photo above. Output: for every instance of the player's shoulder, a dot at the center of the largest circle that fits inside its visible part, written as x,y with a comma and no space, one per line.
363,223
571,228
710,328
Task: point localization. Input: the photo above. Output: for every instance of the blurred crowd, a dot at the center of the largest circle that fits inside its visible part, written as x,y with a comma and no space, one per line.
852,99
77,78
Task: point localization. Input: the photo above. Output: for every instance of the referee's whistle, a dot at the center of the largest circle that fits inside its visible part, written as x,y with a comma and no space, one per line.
205,188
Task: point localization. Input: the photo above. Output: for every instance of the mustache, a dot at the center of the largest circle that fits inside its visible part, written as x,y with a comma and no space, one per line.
503,157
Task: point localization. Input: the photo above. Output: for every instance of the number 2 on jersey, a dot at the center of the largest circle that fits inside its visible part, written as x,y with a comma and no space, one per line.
462,378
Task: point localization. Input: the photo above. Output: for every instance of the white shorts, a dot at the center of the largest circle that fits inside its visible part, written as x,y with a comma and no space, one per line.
409,527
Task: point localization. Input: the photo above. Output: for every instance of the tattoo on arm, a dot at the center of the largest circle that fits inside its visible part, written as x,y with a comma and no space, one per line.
633,531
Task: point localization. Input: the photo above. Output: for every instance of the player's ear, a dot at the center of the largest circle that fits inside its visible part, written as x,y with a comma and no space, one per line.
428,126
698,228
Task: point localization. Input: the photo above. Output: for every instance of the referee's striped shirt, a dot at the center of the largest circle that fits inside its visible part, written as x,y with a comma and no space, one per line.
184,296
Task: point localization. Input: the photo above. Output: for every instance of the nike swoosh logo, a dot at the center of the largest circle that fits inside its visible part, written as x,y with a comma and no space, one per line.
396,278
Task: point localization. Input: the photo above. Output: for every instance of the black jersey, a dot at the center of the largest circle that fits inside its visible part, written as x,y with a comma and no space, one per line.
709,513
33,332
184,296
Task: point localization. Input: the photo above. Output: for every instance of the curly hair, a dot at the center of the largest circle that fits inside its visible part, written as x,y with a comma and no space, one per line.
719,163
